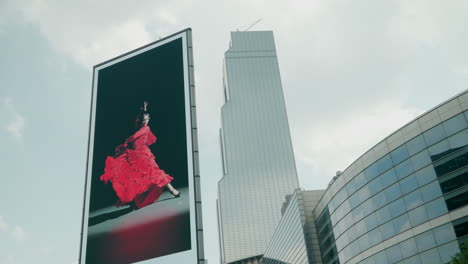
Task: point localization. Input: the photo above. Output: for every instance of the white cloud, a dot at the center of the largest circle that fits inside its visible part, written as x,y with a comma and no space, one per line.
10,260
4,227
168,16
15,121
16,126
46,251
89,32
326,147
116,40
18,233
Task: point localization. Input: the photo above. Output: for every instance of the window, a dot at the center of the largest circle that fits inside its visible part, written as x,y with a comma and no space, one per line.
420,160
459,140
357,214
425,175
401,223
388,178
355,183
430,191
408,248
371,221
392,193
364,242
415,145
430,257
360,228
354,200
399,154
439,148
367,207
425,241
383,215
461,226
397,208
447,251
393,254
378,167
450,163
417,216
455,181
381,258
329,255
379,200
387,230
455,124
323,219
413,200
375,237
458,200
436,208
375,186
434,135
404,169
408,184
444,234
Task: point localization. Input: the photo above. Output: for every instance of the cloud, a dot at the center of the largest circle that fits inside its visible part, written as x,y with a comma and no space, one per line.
10,260
114,41
326,147
88,32
15,121
46,251
4,227
18,233
168,16
353,72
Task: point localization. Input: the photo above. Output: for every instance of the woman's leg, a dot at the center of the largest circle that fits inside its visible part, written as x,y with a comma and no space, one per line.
173,190
148,197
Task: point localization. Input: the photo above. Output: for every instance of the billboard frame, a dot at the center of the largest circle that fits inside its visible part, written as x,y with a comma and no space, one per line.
196,180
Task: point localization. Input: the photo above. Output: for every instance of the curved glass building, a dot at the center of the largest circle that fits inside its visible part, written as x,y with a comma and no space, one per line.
403,201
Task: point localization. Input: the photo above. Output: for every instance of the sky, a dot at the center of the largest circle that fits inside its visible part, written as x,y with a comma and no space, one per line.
352,72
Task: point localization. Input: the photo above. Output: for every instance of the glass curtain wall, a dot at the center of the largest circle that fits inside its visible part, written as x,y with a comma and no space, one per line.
422,179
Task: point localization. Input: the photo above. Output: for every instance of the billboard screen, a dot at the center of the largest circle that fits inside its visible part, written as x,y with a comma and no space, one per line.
141,179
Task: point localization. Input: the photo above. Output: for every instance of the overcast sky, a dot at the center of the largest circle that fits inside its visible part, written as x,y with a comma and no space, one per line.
352,72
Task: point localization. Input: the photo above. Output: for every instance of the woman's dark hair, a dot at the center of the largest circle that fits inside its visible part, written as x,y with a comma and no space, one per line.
139,118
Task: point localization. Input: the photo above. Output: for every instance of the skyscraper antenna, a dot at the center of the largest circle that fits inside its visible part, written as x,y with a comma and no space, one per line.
256,22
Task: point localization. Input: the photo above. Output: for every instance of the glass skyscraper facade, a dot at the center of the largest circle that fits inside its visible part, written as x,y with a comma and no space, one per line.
403,201
295,238
258,162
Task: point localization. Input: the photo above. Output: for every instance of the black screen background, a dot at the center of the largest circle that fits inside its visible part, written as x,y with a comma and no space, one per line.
157,76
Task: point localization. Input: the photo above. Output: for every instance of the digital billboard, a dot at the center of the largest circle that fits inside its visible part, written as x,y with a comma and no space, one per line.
142,201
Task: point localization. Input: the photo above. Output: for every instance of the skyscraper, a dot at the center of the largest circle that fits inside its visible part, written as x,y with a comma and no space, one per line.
258,160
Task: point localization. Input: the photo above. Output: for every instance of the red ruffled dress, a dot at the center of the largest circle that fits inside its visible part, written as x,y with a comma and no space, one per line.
133,171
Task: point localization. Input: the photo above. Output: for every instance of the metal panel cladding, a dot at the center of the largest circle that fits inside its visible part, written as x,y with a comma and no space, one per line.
142,179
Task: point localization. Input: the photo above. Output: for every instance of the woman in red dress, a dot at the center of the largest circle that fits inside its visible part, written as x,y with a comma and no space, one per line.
135,176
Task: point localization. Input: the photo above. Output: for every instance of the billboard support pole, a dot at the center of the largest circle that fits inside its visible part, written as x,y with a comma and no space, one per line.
196,166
